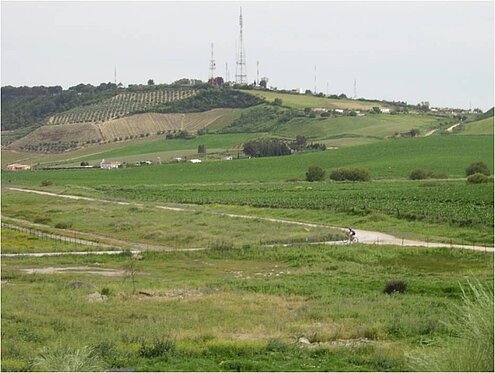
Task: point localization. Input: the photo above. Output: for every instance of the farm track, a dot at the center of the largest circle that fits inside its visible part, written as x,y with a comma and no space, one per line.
364,236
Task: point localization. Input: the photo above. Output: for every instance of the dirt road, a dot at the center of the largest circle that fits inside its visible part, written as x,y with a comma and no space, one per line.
364,236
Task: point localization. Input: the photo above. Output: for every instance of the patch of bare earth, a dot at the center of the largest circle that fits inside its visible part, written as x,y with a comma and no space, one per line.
79,270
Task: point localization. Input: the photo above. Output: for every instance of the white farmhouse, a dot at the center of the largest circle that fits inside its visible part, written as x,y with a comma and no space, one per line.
195,161
385,110
109,165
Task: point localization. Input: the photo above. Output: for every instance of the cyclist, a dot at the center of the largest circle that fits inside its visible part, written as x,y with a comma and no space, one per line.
351,233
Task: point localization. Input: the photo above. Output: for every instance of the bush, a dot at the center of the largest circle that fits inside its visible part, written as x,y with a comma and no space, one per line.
315,173
478,179
395,286
420,174
46,183
350,174
477,168
63,225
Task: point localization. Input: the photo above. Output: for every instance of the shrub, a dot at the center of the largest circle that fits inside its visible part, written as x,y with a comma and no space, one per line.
63,225
46,183
220,245
395,286
315,173
420,174
478,179
350,174
477,168
105,291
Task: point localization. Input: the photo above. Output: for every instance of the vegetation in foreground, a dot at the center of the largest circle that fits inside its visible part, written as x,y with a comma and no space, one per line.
239,309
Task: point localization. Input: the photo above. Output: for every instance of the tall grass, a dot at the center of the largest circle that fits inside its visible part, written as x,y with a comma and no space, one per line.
67,359
473,326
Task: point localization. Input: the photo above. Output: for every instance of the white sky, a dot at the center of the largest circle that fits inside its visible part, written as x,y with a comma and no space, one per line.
441,52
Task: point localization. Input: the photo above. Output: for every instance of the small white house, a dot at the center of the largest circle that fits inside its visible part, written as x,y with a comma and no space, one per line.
385,110
340,111
109,165
178,159
195,161
227,158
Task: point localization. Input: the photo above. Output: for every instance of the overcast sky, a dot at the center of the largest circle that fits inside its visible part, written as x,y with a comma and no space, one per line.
440,52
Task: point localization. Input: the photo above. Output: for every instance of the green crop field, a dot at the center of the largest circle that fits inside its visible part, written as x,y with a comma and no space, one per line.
479,127
387,159
300,101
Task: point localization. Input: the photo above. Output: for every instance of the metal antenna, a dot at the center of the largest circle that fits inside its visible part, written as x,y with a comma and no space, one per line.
315,81
257,72
212,64
226,72
241,76
355,94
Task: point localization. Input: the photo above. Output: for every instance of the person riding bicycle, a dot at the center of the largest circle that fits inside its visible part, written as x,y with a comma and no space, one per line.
351,233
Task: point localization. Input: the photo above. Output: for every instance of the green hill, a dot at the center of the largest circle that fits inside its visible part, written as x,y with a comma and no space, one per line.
479,127
300,101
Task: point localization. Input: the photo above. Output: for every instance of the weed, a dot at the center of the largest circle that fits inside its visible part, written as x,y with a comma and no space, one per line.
158,348
68,359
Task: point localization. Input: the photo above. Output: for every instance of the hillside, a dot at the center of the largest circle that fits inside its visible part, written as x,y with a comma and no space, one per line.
479,127
300,101
56,138
120,105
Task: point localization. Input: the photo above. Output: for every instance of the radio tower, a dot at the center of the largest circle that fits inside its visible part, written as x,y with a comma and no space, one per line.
212,64
355,94
315,82
257,72
241,76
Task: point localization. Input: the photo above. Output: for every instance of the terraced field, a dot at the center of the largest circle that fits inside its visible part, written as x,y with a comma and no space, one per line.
70,136
120,106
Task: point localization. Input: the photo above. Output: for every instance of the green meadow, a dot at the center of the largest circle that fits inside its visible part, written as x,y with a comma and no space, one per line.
311,308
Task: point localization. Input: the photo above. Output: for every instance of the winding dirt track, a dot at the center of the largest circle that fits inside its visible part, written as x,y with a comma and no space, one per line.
367,237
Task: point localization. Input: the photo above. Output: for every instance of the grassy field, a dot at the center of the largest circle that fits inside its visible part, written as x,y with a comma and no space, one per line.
371,126
304,101
385,160
154,226
480,127
240,309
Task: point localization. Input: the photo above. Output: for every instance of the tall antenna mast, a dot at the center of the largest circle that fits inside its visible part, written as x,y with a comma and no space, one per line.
241,76
212,64
226,72
315,81
355,94
257,72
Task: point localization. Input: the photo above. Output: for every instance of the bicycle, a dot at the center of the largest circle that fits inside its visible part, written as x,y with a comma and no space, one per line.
352,239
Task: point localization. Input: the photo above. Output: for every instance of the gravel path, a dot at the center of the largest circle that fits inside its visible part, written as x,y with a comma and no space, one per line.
364,236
